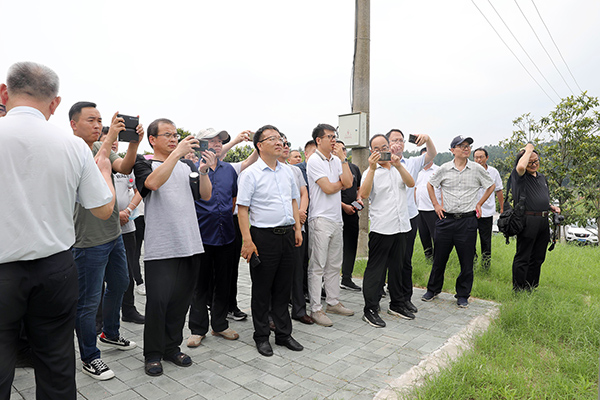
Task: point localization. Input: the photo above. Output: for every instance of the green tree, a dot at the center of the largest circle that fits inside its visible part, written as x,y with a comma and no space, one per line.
183,133
238,153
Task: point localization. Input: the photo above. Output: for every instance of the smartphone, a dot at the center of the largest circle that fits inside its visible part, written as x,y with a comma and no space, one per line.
412,139
129,134
251,136
254,260
385,156
356,205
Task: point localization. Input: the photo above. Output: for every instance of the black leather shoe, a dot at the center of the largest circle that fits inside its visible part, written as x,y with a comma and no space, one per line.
410,306
134,317
305,319
290,343
264,348
180,359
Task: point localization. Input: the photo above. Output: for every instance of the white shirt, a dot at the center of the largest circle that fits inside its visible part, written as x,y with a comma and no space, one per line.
413,165
489,207
388,210
268,194
421,194
300,182
124,192
322,204
43,172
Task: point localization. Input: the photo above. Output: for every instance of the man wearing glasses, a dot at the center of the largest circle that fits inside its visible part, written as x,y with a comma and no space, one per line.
172,239
99,251
328,173
459,181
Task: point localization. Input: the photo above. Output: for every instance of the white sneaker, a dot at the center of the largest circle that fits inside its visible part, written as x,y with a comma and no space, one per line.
120,343
141,289
97,369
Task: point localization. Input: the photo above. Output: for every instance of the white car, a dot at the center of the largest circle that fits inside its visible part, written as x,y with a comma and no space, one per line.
580,235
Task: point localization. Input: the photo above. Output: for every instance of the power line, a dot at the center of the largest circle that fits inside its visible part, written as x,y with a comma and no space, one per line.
522,48
555,45
513,53
544,47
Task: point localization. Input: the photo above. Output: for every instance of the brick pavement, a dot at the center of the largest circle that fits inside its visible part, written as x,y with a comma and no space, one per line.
350,360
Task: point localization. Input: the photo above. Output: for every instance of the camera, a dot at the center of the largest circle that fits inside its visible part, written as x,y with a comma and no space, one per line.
385,156
558,219
129,134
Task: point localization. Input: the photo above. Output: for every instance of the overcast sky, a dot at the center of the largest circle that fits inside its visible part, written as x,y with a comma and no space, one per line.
437,67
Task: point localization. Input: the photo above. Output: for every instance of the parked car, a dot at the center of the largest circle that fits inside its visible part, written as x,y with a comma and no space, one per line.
577,234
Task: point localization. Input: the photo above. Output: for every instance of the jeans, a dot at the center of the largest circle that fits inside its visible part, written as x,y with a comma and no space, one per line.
105,262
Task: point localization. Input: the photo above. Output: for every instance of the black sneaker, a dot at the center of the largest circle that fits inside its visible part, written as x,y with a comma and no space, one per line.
462,302
372,318
349,285
400,312
237,315
97,369
429,295
411,307
119,343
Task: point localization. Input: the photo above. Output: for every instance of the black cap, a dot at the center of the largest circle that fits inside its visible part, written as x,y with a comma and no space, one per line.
459,139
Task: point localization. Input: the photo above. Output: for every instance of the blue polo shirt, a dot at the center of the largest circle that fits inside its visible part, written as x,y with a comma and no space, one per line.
215,216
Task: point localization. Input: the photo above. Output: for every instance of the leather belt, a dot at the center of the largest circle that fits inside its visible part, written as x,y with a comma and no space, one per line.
537,213
279,230
459,215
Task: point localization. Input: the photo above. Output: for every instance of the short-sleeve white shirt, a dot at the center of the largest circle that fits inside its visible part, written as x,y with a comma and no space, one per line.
421,194
413,165
489,207
322,204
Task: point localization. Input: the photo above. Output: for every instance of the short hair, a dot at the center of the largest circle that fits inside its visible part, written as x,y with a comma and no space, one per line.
319,131
310,143
481,149
154,125
103,133
76,108
259,133
32,79
423,150
297,151
520,154
379,135
387,135
339,141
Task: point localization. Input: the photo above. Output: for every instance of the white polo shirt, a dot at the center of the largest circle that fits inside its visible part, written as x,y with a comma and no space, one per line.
322,204
489,207
388,211
43,172
413,165
421,194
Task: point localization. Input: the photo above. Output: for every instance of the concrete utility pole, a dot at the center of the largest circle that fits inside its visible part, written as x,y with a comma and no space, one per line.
360,103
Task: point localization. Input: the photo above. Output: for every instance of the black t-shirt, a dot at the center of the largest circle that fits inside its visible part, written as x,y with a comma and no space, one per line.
534,188
349,195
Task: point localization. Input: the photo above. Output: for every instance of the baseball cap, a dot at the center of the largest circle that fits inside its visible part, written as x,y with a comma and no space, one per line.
459,139
210,133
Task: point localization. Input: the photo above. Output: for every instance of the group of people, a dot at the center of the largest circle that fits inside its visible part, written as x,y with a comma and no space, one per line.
71,247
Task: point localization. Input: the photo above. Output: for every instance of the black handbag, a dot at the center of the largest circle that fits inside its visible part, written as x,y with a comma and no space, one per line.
512,220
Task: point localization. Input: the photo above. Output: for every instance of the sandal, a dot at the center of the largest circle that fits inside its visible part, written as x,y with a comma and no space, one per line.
153,368
180,359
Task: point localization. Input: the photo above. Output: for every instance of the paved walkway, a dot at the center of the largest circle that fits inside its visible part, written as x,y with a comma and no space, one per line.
350,360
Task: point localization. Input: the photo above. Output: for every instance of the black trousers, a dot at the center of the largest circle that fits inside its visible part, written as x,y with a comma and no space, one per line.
140,228
272,283
531,253
426,223
407,283
484,225
462,235
128,305
384,253
214,270
41,294
169,288
350,238
298,302
235,265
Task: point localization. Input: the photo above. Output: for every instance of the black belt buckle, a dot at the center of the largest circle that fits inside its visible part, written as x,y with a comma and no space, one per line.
459,215
280,230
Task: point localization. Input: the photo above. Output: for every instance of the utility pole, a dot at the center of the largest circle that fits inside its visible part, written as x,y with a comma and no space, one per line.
360,102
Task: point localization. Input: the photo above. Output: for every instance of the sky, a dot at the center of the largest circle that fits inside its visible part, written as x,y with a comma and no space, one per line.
437,67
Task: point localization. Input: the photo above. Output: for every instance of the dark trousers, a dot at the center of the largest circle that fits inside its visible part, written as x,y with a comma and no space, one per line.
426,223
298,302
235,265
462,235
407,284
214,270
350,237
128,306
41,295
140,228
484,225
384,253
531,253
169,288
272,283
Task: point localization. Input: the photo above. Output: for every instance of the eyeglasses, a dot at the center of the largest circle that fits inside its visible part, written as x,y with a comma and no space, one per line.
169,135
272,138
464,146
382,148
533,162
395,141
288,144
330,137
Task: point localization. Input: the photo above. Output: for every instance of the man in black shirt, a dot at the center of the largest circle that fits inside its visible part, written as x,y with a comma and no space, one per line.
533,239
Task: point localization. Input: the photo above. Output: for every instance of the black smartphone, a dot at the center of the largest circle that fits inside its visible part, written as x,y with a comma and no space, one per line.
412,139
203,146
254,260
129,134
356,205
385,156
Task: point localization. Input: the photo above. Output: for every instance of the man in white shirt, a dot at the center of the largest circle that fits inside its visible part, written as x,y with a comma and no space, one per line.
385,184
488,209
328,173
427,217
44,172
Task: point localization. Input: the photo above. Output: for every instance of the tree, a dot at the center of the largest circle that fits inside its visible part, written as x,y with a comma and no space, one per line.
183,133
238,153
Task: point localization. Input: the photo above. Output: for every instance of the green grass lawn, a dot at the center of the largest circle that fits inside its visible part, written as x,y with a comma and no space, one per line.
542,345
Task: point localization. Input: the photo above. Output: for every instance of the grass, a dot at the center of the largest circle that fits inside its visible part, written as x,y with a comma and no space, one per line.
542,345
